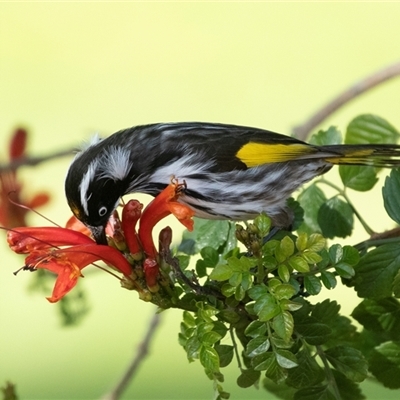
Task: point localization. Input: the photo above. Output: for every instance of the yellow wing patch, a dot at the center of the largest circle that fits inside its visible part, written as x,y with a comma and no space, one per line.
254,154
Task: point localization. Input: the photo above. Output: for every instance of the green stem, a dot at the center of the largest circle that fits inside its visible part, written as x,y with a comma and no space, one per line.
342,192
235,349
331,379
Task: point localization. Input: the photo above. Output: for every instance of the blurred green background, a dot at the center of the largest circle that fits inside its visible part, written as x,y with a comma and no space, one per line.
68,70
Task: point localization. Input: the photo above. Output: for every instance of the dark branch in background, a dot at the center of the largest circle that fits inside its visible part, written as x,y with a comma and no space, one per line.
375,79
33,161
141,353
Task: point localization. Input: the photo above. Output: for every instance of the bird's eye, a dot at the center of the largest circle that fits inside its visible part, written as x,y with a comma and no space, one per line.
102,211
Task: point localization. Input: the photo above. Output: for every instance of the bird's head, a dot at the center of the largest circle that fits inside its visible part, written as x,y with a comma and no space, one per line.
96,180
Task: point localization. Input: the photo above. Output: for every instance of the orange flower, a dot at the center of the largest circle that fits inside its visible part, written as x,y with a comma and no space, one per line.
12,215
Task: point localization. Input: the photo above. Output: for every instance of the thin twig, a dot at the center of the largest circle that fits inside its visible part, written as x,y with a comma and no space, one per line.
375,79
32,161
142,351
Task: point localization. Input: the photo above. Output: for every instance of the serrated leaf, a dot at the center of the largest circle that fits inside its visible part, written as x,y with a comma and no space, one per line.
256,346
369,128
210,256
385,364
328,279
307,373
225,354
326,311
348,389
335,217
357,177
311,200
312,284
248,378
283,325
313,332
209,358
349,361
314,393
323,138
391,195
376,271
379,316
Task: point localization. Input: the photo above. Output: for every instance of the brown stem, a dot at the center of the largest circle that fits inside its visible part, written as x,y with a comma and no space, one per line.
375,79
142,351
32,161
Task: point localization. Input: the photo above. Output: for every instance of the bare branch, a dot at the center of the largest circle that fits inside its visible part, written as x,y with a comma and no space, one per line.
32,161
378,77
142,351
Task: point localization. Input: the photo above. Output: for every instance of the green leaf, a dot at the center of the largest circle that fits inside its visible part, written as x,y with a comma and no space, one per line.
312,284
396,285
307,373
391,195
210,256
316,242
284,273
350,255
349,361
283,325
209,358
266,307
335,217
188,319
299,264
324,138
248,378
285,249
263,224
256,346
385,364
262,361
286,359
274,371
328,279
228,290
311,200
344,270
326,311
335,253
221,272
313,332
257,291
284,291
206,233
255,329
357,177
369,128
311,257
225,354
348,389
379,316
210,338
376,271
314,393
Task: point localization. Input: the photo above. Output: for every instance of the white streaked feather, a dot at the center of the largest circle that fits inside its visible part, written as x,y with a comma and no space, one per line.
115,164
84,186
95,139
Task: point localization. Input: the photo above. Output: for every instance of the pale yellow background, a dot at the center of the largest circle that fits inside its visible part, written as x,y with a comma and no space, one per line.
70,69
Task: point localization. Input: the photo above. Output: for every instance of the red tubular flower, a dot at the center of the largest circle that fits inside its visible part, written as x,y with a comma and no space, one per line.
163,205
130,216
66,263
12,215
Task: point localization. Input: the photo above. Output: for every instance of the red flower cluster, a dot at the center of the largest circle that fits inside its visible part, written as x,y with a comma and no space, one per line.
11,212
66,251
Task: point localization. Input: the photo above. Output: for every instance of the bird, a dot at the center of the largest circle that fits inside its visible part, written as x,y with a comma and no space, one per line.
230,172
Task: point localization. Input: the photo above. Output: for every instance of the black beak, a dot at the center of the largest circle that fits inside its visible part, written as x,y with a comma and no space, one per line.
99,234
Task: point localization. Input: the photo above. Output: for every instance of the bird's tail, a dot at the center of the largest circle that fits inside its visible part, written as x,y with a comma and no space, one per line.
375,155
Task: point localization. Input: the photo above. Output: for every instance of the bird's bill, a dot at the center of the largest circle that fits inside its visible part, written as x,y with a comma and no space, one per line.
99,234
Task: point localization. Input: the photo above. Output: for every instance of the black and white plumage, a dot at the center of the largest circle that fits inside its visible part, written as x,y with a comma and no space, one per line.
231,172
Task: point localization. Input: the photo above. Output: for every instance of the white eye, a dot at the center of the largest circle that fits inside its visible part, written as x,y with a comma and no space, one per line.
102,211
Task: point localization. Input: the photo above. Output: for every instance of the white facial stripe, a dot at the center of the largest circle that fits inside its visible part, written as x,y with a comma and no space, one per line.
84,186
115,164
